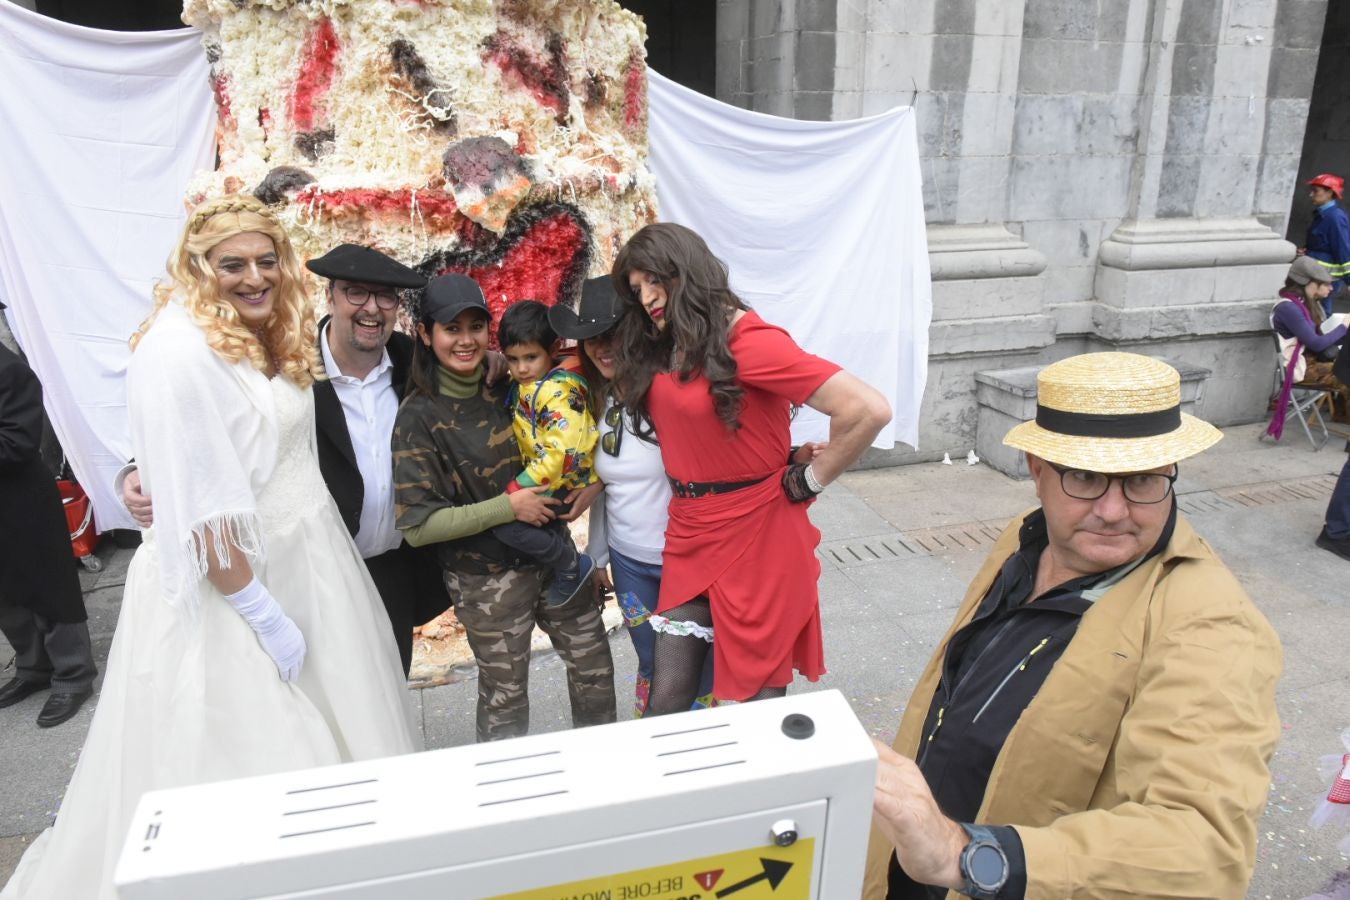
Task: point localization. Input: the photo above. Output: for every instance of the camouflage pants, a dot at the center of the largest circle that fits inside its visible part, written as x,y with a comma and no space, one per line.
499,613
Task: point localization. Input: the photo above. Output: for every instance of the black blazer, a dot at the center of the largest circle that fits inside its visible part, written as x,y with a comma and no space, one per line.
37,567
337,459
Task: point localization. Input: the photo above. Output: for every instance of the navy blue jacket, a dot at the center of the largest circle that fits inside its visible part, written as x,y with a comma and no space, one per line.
1328,241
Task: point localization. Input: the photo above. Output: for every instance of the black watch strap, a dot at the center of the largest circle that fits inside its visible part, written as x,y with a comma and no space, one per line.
983,864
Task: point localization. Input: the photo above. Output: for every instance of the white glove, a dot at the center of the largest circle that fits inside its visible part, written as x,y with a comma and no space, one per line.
276,632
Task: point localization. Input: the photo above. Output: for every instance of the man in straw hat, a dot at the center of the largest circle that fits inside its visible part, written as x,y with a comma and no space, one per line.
1099,719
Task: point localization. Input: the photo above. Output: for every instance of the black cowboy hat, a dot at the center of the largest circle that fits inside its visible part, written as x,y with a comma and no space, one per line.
352,262
598,311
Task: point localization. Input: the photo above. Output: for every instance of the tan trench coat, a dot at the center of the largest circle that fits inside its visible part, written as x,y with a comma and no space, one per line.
1141,767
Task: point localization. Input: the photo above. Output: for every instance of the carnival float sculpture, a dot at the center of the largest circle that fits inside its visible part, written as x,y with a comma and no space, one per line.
505,140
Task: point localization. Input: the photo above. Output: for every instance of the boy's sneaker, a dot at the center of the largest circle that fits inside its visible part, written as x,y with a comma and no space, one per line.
569,582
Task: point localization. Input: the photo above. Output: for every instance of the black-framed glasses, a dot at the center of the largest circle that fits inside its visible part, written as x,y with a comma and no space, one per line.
1140,487
385,298
610,440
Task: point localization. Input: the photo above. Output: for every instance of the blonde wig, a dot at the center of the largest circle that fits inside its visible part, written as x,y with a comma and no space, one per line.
290,332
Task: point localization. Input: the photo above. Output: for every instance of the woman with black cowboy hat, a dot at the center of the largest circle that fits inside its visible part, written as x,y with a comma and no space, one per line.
717,384
628,525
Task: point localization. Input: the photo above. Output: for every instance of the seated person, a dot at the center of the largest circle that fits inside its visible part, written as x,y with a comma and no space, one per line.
1298,321
557,435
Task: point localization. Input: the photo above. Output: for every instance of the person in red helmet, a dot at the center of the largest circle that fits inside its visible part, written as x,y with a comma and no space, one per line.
1328,239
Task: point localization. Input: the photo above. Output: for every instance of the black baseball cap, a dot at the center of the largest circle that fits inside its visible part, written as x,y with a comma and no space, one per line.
449,295
365,265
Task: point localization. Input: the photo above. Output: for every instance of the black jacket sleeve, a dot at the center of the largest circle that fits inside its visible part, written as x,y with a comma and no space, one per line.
20,410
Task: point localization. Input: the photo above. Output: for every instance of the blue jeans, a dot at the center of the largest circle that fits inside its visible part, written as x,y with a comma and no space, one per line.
1338,510
638,586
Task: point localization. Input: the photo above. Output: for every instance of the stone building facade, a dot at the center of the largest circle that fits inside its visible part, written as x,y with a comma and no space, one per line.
1097,175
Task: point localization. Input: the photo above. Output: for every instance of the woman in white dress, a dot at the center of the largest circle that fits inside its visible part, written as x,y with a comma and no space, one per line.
251,639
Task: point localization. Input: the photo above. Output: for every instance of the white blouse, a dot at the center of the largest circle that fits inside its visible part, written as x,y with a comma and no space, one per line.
632,518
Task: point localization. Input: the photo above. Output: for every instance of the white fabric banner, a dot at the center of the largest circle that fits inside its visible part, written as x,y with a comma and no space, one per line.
822,227
102,131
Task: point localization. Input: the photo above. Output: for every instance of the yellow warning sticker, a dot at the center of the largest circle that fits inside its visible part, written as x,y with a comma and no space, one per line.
759,873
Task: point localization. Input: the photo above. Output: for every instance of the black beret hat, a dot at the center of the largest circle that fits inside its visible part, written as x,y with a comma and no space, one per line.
597,312
352,262
449,295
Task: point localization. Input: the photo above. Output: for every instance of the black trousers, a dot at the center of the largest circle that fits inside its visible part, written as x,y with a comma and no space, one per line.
409,581
47,651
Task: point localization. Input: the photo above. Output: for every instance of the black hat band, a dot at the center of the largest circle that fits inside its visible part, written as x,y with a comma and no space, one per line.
1127,425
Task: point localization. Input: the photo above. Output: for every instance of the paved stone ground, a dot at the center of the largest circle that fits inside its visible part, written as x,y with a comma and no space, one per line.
898,549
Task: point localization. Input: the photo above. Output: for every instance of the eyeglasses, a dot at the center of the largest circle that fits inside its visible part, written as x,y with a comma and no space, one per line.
359,296
610,440
1141,488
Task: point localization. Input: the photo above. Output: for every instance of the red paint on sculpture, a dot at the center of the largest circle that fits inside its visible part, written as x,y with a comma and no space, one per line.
436,208
318,69
533,269
635,94
545,79
220,89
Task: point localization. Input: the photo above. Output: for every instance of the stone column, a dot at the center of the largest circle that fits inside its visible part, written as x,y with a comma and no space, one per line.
1193,269
778,56
957,62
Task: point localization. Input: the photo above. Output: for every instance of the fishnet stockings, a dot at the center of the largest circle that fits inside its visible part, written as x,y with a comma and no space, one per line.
677,663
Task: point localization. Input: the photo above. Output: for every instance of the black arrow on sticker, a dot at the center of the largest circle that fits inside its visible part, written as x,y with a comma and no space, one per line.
775,870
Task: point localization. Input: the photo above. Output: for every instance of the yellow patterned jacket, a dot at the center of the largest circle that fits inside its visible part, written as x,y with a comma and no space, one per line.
555,430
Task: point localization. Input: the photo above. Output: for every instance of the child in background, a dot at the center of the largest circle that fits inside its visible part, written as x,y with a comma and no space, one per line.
557,436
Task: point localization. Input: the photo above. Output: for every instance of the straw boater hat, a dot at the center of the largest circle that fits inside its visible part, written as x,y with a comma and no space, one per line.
1111,412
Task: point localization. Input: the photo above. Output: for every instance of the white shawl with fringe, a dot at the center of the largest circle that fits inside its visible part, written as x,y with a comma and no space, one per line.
204,432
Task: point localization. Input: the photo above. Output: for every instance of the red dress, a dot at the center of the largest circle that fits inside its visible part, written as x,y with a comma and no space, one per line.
752,552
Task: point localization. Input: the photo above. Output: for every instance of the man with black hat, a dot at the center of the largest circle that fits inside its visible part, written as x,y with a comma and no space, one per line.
366,361
1099,719
42,610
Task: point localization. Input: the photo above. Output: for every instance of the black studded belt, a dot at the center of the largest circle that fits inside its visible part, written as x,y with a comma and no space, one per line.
704,488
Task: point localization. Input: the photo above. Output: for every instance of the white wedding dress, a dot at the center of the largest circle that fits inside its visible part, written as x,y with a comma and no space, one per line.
188,701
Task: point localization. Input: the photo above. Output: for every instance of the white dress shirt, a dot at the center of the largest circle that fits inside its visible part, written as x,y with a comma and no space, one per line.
370,406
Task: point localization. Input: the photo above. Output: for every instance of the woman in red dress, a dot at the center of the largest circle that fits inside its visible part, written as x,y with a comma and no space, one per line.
717,385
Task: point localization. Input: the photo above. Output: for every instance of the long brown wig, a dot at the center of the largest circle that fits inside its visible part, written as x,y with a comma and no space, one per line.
699,307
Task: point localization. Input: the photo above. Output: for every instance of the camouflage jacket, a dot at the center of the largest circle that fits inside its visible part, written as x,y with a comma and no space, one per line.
454,452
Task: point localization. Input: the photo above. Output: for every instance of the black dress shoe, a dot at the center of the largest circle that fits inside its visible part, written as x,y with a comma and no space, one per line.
60,707
17,689
1339,546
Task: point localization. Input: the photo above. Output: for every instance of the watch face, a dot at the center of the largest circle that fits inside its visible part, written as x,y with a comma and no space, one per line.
987,867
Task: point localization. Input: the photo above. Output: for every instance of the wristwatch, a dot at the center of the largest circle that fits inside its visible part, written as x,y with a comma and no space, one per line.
983,864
